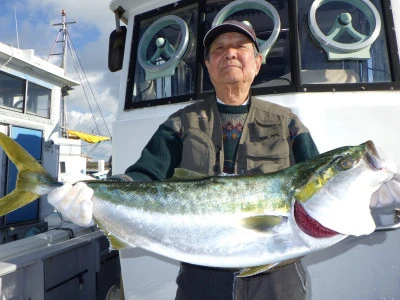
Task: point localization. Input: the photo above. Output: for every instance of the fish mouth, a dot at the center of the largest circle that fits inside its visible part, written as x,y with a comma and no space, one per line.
375,162
309,225
371,157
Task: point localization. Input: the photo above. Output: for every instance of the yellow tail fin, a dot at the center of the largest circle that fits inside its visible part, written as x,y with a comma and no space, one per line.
33,180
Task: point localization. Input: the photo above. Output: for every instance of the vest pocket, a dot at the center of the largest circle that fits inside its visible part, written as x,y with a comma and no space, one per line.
198,152
266,156
265,131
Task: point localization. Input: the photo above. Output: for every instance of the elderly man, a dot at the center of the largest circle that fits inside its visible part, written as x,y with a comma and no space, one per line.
229,132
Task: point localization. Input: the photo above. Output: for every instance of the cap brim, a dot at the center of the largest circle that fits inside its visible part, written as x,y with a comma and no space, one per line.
223,28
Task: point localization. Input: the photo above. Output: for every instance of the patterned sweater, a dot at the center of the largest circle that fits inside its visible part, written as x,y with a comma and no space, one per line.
232,122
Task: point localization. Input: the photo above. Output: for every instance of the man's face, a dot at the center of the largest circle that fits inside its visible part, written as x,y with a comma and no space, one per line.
232,61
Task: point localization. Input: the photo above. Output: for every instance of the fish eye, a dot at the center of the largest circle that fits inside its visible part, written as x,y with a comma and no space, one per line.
345,163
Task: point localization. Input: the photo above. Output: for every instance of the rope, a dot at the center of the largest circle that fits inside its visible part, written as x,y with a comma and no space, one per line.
77,63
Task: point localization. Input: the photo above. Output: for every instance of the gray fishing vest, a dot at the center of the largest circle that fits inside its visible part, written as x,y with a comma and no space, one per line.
264,145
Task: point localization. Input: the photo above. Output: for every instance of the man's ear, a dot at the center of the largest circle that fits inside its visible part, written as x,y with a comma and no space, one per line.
207,63
258,62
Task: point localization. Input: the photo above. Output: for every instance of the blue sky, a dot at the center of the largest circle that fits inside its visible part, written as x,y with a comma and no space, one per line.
94,23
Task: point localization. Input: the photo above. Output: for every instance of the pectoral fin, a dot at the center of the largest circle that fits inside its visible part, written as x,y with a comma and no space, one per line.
262,223
247,272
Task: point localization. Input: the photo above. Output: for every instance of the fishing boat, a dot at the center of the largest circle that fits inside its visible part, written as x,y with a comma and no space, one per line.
35,241
334,62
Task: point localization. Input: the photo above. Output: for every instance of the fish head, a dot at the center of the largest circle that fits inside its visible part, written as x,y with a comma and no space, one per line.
336,193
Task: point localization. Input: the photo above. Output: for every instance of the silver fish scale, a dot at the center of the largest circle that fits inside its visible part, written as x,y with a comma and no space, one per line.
213,240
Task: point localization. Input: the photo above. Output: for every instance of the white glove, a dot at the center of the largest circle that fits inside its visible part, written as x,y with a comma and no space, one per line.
388,195
74,202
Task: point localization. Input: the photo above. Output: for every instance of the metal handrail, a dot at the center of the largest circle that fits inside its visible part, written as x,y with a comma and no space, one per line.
394,226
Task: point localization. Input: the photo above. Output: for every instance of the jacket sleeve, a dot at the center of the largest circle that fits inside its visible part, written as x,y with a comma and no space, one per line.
303,145
159,158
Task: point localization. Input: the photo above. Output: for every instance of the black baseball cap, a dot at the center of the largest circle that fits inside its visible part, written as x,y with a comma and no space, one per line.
230,26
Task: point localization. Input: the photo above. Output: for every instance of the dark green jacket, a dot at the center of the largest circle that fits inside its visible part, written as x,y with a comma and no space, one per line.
273,138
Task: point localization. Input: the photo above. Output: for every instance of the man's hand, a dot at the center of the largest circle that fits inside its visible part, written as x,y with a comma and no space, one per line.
74,202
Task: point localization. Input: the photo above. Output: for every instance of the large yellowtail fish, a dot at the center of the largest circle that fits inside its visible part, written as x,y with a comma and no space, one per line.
228,221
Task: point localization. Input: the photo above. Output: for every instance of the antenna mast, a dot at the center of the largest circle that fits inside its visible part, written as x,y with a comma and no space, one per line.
66,88
64,32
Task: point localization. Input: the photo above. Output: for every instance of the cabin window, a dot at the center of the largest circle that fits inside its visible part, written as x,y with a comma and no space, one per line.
343,42
319,46
12,91
163,67
62,167
38,101
24,96
275,69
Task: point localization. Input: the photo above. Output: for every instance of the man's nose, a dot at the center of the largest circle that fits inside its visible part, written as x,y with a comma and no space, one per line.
230,53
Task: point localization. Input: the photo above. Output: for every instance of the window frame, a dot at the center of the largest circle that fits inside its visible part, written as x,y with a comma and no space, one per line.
133,57
23,93
24,110
295,56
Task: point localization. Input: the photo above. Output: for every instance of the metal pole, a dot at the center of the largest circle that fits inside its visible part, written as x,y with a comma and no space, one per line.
64,29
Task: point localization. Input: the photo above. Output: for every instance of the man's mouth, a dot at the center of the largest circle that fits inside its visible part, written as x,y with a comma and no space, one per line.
230,66
309,225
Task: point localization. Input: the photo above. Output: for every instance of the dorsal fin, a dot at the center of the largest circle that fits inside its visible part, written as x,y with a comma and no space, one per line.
184,174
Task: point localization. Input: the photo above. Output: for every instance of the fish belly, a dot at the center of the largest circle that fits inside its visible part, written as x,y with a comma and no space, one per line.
208,240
